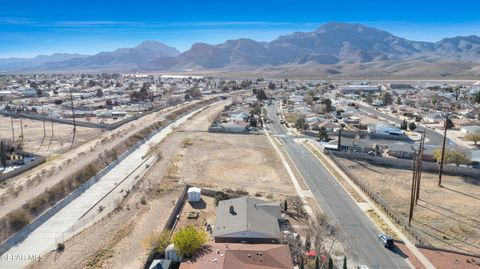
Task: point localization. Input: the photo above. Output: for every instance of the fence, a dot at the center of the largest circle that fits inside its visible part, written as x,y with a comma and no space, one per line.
104,210
39,160
85,222
407,164
417,234
172,219
25,231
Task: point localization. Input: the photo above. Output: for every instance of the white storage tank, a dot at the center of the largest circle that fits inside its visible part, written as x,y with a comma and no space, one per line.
194,194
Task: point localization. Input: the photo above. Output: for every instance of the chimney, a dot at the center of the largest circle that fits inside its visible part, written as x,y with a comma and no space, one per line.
232,210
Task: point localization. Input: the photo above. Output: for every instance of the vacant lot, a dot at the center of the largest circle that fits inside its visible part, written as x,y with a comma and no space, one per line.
51,142
147,208
448,216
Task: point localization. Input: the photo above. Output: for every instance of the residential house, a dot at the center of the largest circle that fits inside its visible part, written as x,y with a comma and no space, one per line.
241,256
470,129
247,220
434,117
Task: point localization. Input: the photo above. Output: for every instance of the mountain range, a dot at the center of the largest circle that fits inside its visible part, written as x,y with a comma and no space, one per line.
334,46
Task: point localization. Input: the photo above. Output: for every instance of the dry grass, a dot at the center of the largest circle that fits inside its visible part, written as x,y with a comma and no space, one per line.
381,223
447,216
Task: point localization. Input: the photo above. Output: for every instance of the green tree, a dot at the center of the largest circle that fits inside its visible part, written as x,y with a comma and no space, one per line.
455,156
456,91
368,99
328,103
261,94
476,98
449,124
317,263
272,86
344,262
302,265
412,126
99,93
322,133
285,206
475,137
330,263
300,123
387,98
399,100
188,240
404,125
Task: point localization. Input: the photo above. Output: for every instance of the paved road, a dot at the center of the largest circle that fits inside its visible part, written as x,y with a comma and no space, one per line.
434,138
360,233
43,239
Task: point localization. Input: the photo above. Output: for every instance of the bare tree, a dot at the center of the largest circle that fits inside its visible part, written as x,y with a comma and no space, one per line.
296,204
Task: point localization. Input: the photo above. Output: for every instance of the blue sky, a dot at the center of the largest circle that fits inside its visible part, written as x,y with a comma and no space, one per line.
29,28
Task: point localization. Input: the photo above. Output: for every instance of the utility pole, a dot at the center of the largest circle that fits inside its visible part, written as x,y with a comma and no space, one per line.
43,122
73,117
339,146
419,167
417,174
443,153
21,127
13,130
51,120
412,191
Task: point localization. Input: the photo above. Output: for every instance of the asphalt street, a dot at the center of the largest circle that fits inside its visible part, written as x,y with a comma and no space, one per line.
358,234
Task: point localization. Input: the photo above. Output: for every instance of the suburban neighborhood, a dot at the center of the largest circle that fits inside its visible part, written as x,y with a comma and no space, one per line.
239,135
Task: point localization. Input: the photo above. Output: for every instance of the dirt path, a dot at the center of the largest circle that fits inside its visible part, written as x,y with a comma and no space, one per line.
18,190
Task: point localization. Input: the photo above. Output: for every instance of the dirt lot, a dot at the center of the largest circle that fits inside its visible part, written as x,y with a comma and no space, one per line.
190,154
206,214
118,241
447,216
34,140
15,191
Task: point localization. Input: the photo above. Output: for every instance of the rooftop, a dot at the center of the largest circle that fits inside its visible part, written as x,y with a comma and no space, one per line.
241,256
247,215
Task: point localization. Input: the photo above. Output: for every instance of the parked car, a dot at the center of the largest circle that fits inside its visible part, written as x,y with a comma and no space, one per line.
385,240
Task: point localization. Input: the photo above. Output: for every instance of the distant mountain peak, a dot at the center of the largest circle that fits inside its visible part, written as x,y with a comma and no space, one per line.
158,46
333,43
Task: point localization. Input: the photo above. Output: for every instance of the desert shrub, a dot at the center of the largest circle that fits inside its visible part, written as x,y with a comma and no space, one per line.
18,219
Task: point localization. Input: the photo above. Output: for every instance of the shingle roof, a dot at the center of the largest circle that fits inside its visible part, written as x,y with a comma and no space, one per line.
241,256
248,215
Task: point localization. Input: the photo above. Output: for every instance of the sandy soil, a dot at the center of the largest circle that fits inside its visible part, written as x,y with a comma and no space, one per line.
105,244
206,214
447,216
34,140
58,167
118,241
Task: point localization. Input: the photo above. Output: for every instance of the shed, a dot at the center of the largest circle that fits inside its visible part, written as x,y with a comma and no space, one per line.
161,264
171,254
194,194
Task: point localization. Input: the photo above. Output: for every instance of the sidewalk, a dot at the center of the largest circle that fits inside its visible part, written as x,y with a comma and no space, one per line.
425,262
43,239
